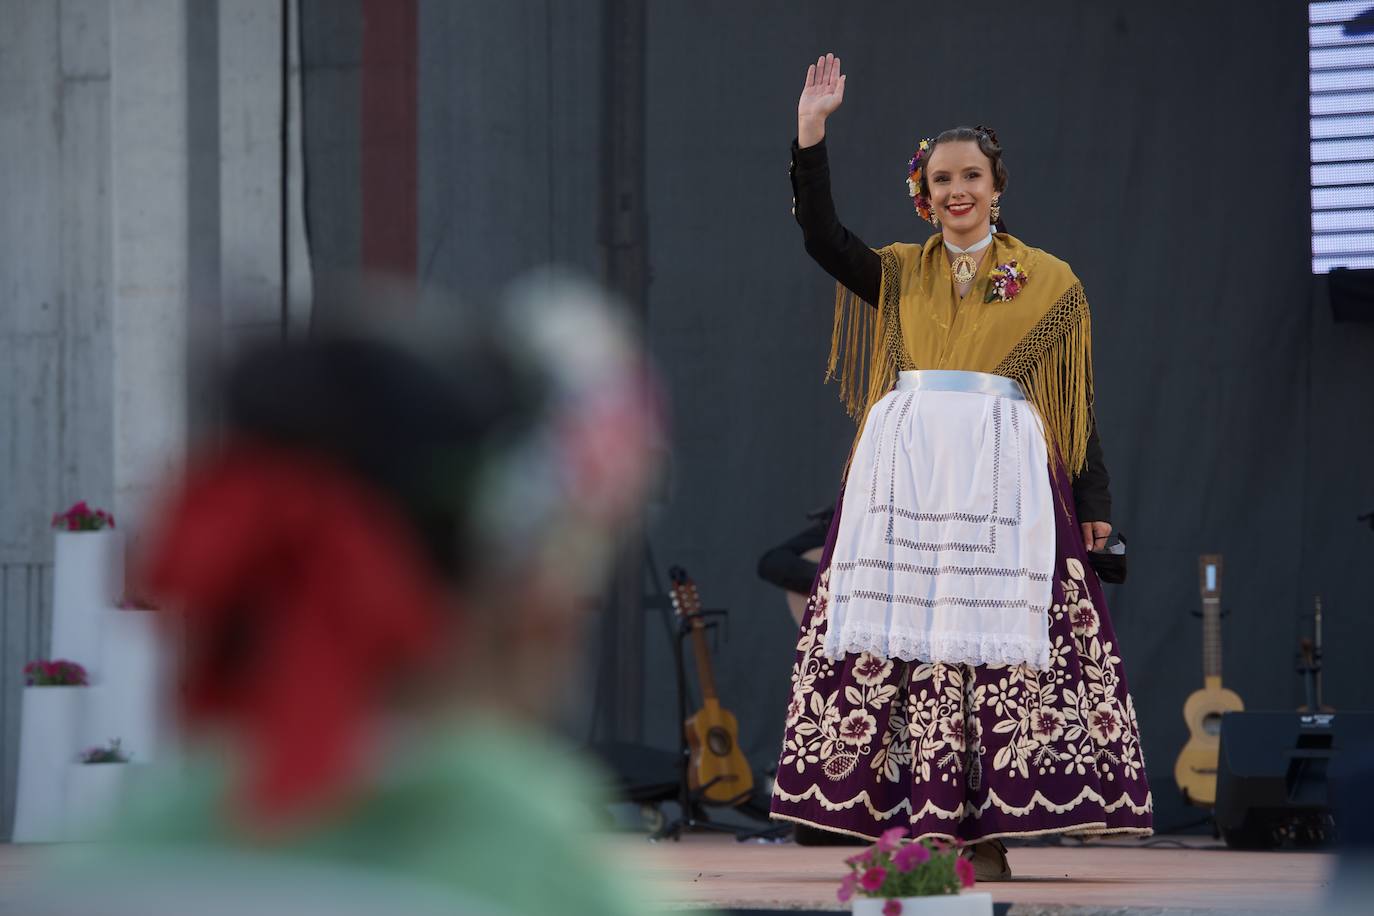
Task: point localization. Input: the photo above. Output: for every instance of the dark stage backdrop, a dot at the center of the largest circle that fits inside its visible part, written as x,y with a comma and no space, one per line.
1160,148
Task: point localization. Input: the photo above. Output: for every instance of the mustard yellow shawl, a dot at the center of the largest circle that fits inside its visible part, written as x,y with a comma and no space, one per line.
1041,337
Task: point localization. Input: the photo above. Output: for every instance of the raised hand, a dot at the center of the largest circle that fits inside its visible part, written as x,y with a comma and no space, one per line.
822,94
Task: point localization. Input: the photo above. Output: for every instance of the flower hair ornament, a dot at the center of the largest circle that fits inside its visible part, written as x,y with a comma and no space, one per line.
991,134
913,181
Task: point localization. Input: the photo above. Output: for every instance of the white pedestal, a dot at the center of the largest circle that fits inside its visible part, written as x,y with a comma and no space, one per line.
94,793
125,704
978,904
57,797
88,578
48,742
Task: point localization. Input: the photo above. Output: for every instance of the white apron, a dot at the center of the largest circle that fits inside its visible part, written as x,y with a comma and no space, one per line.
947,536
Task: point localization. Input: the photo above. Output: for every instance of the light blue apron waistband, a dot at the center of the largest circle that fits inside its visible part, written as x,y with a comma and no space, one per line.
955,380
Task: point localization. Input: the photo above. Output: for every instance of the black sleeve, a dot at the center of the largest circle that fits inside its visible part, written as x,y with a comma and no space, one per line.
840,252
1092,489
784,567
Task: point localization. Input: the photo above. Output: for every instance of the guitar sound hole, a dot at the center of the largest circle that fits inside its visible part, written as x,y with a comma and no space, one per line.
718,740
1211,724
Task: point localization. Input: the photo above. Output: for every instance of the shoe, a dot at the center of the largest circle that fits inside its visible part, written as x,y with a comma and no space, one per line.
806,835
989,860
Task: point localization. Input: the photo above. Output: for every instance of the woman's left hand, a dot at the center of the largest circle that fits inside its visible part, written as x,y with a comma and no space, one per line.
1095,534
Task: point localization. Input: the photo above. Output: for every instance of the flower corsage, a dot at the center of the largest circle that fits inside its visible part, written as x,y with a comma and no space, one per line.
1005,281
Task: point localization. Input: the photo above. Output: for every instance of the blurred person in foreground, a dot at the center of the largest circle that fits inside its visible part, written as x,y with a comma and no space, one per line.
380,576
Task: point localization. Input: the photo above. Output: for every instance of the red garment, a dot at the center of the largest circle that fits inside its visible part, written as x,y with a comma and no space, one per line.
304,598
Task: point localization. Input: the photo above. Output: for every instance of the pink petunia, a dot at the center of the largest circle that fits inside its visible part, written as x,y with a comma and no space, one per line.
861,858
910,855
890,839
846,891
892,908
873,878
964,869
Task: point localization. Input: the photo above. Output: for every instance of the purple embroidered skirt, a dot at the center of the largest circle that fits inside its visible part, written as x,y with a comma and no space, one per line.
969,752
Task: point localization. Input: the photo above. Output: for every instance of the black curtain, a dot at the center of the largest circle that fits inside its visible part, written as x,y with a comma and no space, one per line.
1161,149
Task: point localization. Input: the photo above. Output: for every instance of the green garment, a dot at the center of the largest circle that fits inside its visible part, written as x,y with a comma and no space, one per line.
492,813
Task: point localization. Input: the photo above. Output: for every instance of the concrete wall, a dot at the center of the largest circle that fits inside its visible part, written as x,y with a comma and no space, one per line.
56,351
141,232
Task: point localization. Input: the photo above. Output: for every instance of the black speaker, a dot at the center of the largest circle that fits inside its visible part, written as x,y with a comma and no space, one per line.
1274,771
1352,294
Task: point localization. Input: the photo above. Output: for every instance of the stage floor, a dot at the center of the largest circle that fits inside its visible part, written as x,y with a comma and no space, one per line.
1116,876
1120,877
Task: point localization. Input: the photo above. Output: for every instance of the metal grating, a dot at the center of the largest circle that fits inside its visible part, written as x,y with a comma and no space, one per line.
25,632
1340,38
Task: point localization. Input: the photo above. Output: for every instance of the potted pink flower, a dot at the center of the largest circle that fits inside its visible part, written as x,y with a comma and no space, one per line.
95,789
49,728
58,672
88,579
913,878
81,517
105,753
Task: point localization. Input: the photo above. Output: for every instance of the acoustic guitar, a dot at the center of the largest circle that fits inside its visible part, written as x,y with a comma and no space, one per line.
717,767
1196,768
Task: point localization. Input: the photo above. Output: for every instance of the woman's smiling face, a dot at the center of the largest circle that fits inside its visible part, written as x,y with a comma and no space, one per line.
959,178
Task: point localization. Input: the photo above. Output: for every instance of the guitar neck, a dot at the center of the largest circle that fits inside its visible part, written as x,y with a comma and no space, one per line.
1211,639
1209,581
705,676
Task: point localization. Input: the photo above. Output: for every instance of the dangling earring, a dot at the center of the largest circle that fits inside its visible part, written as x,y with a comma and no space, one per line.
934,220
995,214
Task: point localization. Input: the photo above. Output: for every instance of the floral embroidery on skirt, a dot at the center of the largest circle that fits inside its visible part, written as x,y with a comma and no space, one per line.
971,752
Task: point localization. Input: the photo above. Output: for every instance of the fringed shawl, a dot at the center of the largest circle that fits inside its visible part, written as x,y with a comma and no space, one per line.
1042,337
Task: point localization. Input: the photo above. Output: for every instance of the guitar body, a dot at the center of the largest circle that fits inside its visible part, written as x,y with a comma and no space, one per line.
716,766
1195,771
713,737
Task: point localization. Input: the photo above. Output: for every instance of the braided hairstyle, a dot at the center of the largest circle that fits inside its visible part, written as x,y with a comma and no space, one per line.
986,138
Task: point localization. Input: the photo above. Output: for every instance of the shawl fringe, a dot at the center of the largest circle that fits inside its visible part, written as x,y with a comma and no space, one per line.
1053,363
866,350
